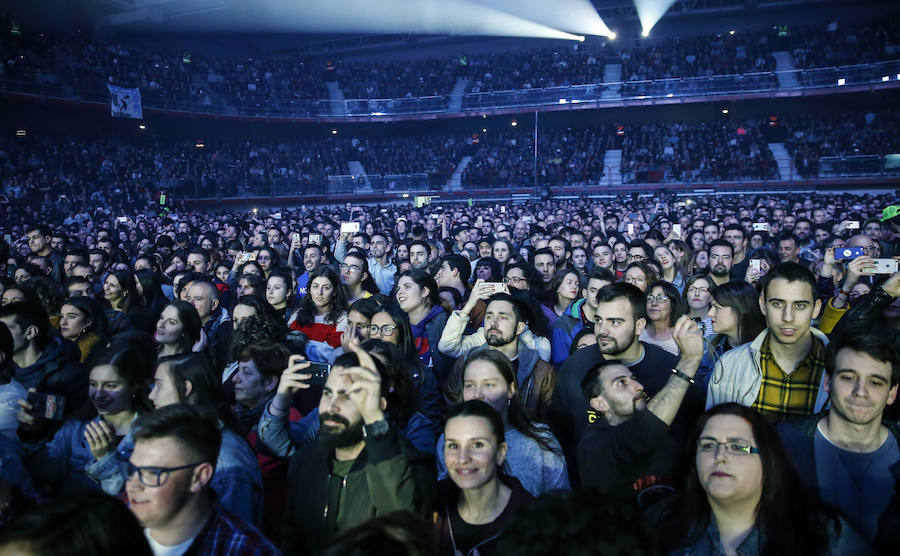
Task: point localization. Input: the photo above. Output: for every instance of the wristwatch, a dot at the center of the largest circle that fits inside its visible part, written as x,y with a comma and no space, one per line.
376,429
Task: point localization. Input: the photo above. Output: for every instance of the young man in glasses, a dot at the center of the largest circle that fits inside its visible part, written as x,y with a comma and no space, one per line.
169,473
848,455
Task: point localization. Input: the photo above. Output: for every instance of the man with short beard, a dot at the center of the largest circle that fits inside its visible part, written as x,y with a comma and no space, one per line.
358,467
619,319
721,259
504,325
629,449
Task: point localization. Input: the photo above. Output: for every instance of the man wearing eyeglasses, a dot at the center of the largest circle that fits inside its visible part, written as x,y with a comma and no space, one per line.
169,473
629,449
849,455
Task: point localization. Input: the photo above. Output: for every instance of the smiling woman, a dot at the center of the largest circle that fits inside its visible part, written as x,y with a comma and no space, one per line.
478,498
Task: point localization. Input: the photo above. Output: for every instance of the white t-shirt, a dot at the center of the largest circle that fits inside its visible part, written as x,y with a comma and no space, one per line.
163,550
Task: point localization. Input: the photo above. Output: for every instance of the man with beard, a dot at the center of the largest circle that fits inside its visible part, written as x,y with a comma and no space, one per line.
846,455
629,448
619,319
504,324
358,467
721,258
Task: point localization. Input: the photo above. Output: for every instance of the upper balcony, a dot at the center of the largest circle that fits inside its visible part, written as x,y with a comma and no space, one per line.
777,84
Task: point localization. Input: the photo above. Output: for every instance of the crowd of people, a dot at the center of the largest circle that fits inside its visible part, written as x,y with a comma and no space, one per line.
81,64
446,379
844,134
697,151
44,172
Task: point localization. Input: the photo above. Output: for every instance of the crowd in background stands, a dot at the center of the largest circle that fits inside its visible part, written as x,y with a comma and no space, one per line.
572,156
35,170
720,54
83,64
401,79
840,134
846,44
696,151
537,68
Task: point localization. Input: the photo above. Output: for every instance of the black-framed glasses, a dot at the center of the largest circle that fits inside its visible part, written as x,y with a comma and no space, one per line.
732,447
154,477
385,330
661,298
358,325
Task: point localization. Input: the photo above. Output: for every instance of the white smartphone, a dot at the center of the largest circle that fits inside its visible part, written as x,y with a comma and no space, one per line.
756,264
885,266
676,229
349,227
631,229
760,226
315,239
295,238
853,225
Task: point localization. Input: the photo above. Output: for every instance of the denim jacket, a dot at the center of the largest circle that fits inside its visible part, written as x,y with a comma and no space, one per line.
282,438
67,460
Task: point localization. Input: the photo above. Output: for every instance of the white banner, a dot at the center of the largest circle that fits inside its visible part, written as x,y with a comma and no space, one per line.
125,103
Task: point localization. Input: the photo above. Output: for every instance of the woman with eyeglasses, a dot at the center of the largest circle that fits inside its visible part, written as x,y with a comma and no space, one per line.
268,260
740,496
190,379
479,497
91,453
640,274
698,296
390,324
664,306
322,314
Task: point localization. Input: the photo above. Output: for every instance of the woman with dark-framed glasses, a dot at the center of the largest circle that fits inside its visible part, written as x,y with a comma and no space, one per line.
390,324
740,496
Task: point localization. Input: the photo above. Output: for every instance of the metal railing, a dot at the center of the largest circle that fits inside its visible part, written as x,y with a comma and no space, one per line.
772,173
881,74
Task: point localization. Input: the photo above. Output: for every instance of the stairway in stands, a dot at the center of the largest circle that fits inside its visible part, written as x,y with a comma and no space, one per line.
457,93
455,182
612,73
357,169
612,167
784,65
782,158
336,95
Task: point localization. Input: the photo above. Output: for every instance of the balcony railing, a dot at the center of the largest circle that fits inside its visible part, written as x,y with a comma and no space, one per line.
881,74
777,174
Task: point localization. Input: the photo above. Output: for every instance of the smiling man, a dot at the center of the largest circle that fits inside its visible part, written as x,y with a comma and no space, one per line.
846,456
781,373
169,473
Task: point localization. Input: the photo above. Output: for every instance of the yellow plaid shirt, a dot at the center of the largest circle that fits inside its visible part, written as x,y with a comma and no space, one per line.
785,396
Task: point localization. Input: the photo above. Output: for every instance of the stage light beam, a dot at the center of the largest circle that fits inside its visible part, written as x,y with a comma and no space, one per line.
650,12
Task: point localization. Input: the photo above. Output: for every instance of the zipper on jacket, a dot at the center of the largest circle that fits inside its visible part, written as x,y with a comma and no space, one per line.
343,485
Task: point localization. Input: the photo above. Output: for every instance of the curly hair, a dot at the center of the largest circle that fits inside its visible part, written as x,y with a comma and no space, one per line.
254,329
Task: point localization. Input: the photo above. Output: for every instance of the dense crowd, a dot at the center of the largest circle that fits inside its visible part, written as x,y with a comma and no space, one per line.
82,64
843,134
697,151
453,379
570,156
